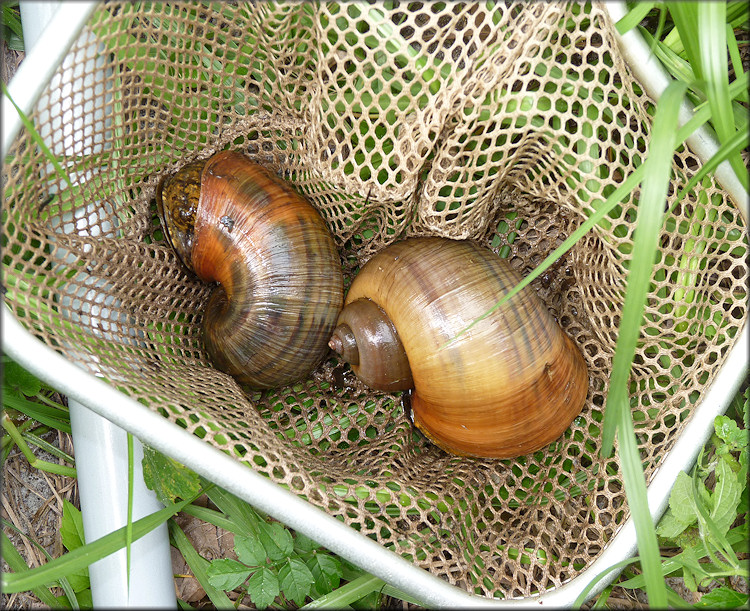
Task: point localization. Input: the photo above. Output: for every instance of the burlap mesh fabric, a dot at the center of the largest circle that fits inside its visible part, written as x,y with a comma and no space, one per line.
505,124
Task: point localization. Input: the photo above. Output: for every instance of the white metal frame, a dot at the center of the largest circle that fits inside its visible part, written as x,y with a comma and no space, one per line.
156,431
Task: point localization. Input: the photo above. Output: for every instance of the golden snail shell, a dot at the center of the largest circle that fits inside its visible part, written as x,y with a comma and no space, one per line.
233,222
510,385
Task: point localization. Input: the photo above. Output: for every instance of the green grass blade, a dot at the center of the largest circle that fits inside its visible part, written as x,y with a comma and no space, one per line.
672,62
86,554
734,55
241,513
213,517
738,13
53,418
700,116
736,143
601,600
634,16
685,16
63,581
637,495
592,584
712,40
11,19
649,222
389,590
702,31
18,564
37,138
617,416
198,565
48,447
349,593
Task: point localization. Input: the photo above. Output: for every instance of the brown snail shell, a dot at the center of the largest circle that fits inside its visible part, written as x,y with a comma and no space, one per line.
233,222
508,386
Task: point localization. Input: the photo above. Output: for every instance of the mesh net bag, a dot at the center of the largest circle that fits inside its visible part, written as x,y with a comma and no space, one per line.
504,123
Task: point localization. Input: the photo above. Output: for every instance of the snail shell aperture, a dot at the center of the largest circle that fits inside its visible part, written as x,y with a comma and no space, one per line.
508,386
233,222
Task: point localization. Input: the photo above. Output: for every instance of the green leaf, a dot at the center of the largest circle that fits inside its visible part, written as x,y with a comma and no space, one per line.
726,497
71,527
227,574
79,580
19,381
263,587
296,580
728,431
85,555
303,543
250,550
670,526
276,540
72,535
682,500
692,572
326,571
722,598
167,478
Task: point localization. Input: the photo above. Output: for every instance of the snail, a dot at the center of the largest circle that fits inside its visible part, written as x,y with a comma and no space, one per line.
233,222
508,386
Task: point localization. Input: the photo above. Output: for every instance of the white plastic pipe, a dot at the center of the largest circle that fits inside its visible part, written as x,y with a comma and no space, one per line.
100,446
102,468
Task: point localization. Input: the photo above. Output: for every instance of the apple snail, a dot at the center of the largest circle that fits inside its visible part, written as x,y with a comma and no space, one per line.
511,384
233,222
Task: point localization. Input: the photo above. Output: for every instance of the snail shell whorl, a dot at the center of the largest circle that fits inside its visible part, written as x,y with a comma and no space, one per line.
511,384
280,274
367,340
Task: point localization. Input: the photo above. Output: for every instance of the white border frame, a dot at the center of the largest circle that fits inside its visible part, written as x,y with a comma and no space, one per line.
156,431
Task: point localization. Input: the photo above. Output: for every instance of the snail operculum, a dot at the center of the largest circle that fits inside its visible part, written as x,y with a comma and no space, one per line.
177,199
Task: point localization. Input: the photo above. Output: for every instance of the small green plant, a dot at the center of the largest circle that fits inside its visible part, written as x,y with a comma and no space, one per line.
704,532
28,414
274,562
707,515
71,533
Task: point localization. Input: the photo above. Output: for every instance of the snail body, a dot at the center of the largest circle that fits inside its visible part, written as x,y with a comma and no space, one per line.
231,221
509,385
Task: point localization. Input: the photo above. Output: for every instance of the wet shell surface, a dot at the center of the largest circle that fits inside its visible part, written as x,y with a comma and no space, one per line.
281,286
509,385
